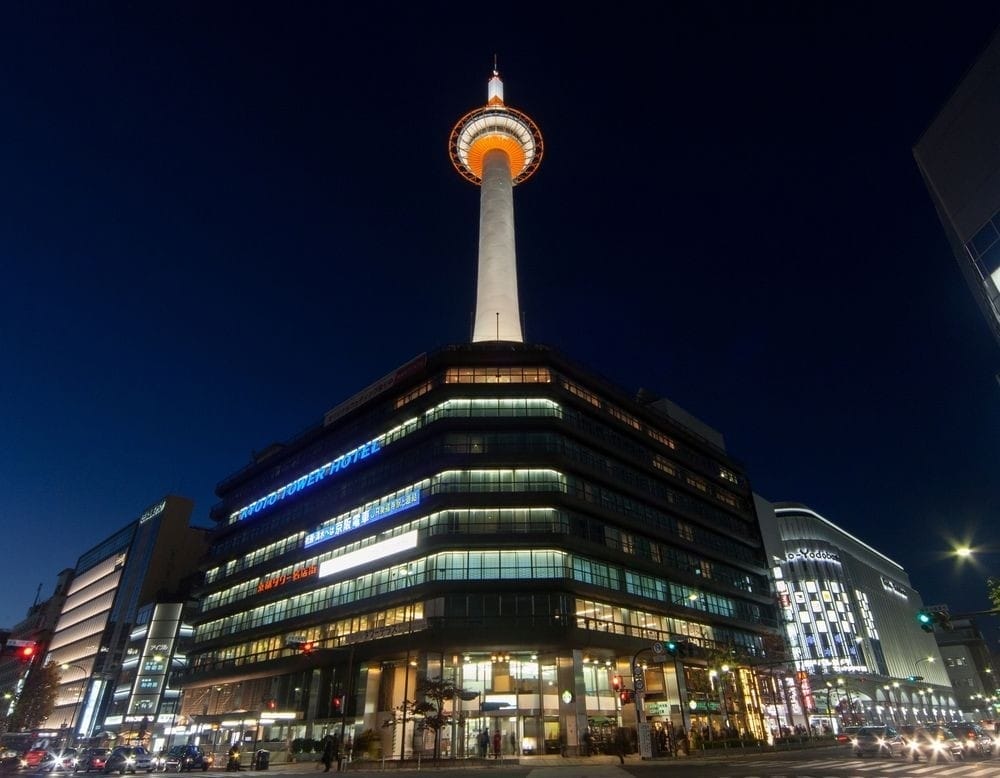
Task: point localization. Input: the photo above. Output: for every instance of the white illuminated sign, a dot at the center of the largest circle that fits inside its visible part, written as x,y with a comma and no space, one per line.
373,553
813,555
895,588
156,510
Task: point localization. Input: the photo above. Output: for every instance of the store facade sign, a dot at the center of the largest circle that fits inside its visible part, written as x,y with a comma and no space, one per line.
310,479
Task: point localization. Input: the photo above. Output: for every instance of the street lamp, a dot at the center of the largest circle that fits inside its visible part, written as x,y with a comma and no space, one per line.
916,665
968,554
79,697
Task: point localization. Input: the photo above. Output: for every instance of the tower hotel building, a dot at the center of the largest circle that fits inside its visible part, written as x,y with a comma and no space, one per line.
493,515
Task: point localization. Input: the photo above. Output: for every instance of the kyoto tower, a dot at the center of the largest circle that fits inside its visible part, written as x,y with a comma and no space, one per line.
496,147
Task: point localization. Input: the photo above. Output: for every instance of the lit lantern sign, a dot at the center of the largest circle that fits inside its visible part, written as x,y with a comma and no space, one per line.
380,510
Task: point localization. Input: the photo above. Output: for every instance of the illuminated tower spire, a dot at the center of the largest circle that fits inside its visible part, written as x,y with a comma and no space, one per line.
496,147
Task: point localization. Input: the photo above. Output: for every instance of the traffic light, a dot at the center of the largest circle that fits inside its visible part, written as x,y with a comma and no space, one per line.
24,650
626,696
337,704
675,648
928,619
616,683
302,646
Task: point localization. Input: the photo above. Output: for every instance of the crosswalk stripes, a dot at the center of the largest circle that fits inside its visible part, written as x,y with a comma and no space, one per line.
856,768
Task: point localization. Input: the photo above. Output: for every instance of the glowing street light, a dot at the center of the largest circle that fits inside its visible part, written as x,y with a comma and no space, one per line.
970,555
928,659
83,688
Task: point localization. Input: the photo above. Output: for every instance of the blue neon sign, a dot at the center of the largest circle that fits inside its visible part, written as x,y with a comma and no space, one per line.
384,508
334,466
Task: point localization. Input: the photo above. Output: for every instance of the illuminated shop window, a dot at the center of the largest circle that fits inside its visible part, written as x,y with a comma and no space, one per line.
413,394
624,417
482,565
697,483
506,407
727,475
498,375
582,393
500,480
665,465
726,497
662,439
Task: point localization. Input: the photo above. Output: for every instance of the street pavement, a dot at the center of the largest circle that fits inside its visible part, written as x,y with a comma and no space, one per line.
825,762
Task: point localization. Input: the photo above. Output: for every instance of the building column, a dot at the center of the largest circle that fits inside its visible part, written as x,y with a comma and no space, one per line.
498,315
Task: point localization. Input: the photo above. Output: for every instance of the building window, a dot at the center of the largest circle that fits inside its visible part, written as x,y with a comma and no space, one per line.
413,394
498,375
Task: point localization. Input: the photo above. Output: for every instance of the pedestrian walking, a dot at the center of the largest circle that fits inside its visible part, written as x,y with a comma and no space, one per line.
328,753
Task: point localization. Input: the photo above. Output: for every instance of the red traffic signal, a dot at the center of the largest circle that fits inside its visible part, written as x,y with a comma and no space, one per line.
338,704
302,646
625,695
24,650
616,683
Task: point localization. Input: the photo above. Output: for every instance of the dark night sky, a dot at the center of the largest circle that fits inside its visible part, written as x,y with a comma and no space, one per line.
219,220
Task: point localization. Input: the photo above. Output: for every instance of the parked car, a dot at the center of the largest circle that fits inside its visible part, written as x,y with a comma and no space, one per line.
932,743
64,759
878,741
92,759
34,757
976,740
128,759
181,758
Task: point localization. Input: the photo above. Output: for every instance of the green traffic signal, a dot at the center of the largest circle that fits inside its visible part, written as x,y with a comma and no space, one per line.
928,619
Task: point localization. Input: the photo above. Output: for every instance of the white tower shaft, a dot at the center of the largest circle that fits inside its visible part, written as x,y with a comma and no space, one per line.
497,313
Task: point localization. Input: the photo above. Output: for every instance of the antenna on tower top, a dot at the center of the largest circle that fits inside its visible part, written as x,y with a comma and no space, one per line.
495,71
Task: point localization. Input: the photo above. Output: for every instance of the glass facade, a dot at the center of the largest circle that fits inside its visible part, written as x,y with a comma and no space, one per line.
850,621
517,528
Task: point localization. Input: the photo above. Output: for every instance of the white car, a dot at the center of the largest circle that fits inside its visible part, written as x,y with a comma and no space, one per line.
129,759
